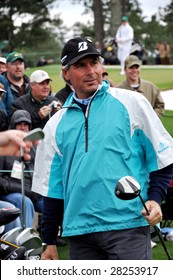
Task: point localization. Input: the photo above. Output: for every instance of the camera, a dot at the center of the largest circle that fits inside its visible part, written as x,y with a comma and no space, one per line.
53,104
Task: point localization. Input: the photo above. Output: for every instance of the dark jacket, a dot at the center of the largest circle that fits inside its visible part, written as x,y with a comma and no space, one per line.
63,93
3,121
28,103
9,184
7,98
16,90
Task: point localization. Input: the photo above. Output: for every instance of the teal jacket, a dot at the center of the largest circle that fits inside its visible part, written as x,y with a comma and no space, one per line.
82,158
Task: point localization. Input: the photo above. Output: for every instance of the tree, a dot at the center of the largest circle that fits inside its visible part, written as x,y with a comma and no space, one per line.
166,16
33,33
107,16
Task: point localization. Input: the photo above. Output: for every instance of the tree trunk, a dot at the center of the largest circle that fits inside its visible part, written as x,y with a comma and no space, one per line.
116,14
97,8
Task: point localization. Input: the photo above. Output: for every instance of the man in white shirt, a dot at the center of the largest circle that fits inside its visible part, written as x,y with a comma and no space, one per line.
124,38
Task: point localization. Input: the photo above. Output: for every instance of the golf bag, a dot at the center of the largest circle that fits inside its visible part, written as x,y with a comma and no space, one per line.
19,243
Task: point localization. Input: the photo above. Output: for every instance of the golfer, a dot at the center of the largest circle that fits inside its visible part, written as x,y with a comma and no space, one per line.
99,136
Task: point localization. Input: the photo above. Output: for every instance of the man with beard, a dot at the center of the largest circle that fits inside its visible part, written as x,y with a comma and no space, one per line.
19,82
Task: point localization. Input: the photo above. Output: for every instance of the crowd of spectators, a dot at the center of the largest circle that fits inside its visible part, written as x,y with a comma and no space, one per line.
25,103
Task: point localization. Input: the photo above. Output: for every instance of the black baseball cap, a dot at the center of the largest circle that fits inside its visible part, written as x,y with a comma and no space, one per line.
77,48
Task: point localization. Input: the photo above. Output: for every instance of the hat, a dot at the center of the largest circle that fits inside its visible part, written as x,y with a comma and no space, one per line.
2,59
24,117
39,76
13,56
20,116
124,18
132,60
77,48
2,88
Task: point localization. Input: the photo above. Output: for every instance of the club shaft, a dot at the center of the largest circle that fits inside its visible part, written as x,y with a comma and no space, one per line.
23,187
157,231
162,242
146,209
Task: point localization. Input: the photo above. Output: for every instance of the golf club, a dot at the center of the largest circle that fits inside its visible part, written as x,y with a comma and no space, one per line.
32,243
33,135
35,253
12,234
26,235
128,188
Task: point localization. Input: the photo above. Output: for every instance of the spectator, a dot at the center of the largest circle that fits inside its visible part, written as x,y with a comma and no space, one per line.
2,64
124,38
101,135
7,97
156,54
106,78
146,88
42,61
10,178
39,103
64,93
164,53
3,115
19,82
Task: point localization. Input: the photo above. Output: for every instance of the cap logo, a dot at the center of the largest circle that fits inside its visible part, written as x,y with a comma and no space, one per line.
82,46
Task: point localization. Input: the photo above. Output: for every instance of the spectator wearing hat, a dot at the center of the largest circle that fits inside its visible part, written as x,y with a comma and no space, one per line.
39,103
106,78
124,38
19,82
2,64
11,172
146,88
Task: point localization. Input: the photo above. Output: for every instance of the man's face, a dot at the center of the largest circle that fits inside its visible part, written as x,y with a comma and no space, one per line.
40,90
2,67
133,73
15,70
85,76
23,126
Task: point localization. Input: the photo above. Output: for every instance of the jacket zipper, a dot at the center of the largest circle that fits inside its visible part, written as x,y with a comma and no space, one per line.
86,122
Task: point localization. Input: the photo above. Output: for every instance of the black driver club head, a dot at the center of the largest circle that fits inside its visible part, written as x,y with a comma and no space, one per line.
127,188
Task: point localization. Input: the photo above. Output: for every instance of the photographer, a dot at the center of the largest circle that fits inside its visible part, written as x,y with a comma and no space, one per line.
39,103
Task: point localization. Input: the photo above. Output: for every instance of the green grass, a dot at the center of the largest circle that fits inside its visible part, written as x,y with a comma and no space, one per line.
167,121
159,253
159,76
